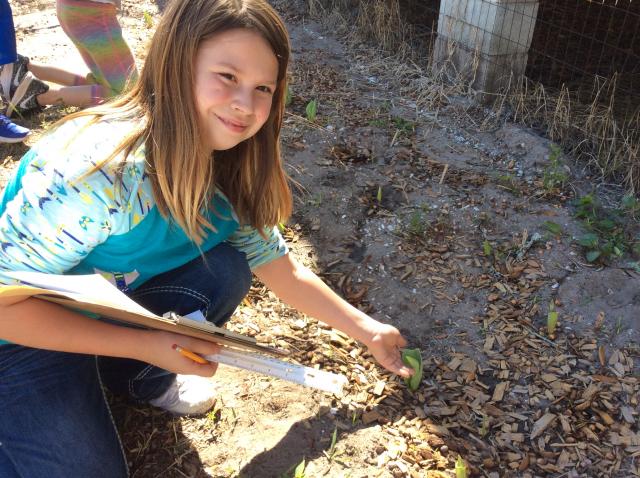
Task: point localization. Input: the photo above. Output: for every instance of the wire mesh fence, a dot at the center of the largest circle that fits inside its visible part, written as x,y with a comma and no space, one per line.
576,41
575,64
568,43
561,42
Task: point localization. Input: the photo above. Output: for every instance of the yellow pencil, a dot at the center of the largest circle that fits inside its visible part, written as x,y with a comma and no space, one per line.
189,354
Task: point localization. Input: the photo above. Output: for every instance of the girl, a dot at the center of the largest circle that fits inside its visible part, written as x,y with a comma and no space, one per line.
173,191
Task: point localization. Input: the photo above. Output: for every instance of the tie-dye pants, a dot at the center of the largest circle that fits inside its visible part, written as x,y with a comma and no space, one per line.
94,29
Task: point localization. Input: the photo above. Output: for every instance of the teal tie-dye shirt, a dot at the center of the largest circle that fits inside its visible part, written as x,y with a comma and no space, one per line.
55,219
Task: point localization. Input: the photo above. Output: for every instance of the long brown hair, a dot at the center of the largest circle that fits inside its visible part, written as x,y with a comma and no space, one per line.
184,174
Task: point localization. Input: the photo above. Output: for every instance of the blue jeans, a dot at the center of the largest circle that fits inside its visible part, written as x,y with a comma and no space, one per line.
54,418
7,34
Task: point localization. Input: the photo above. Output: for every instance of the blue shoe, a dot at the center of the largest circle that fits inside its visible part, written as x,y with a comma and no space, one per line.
11,132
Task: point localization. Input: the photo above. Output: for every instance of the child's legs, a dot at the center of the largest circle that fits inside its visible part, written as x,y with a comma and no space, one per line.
82,96
7,34
56,75
94,29
215,288
54,419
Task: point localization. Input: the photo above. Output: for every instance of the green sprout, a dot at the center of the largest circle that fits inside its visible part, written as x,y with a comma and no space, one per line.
379,194
553,227
461,468
486,248
312,110
413,358
299,471
148,19
552,320
288,96
331,452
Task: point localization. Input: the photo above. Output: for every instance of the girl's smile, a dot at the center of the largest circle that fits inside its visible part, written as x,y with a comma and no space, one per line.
236,74
234,126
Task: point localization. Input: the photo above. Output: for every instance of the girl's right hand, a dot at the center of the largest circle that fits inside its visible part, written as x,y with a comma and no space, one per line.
158,350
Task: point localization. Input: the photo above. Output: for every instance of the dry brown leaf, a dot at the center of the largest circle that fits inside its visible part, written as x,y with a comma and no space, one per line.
601,355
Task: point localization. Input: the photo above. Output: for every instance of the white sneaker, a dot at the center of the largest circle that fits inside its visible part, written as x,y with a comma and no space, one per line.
187,395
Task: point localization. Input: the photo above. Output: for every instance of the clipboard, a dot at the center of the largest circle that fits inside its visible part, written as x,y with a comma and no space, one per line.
93,293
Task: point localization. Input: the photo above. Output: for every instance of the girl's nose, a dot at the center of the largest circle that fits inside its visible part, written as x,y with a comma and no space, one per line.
243,101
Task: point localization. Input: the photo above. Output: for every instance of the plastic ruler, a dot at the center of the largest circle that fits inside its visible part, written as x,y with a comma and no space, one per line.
310,377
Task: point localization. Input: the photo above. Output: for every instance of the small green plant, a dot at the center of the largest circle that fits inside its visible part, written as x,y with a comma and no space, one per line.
379,195
509,182
378,122
554,176
288,96
331,452
417,225
406,127
486,248
148,19
299,471
609,232
553,227
312,110
630,205
461,468
413,358
552,320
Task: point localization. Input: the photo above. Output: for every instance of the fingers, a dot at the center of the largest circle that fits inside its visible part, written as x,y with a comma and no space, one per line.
400,368
203,370
201,347
402,342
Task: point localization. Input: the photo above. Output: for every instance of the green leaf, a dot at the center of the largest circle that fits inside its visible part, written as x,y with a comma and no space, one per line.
486,248
413,358
311,110
589,240
461,468
379,195
629,202
553,228
592,255
148,19
552,322
299,471
288,96
606,224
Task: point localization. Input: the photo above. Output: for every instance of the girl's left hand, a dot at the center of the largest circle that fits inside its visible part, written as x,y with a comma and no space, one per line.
385,344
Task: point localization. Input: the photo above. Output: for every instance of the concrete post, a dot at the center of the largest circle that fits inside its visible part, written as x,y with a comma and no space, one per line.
486,41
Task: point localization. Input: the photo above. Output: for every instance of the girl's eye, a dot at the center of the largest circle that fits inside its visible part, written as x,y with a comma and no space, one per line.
264,89
227,76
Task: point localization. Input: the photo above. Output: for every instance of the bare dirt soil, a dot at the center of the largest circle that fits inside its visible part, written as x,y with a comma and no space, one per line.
441,220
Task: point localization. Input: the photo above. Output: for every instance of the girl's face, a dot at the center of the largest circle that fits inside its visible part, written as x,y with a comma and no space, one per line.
236,73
